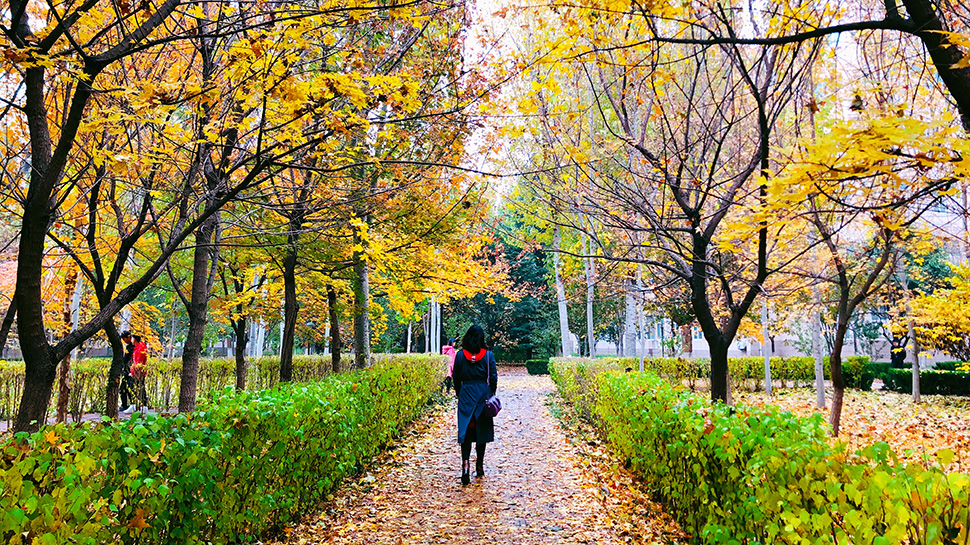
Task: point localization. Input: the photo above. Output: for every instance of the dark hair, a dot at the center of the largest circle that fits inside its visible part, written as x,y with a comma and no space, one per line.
451,341
137,338
125,333
474,339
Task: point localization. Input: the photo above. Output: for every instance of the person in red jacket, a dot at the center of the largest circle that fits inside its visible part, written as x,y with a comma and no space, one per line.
449,350
139,370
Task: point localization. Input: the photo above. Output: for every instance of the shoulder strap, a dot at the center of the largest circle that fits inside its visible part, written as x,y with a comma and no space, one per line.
488,367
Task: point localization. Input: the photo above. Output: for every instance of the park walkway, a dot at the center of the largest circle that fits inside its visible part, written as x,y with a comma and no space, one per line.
538,488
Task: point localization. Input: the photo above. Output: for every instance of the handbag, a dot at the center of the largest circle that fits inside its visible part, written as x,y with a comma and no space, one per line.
493,404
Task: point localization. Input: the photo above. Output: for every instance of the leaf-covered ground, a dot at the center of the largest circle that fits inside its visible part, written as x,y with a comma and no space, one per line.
915,431
540,486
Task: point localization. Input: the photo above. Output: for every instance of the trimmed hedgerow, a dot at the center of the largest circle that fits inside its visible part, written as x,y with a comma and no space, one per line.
930,382
537,367
746,475
748,372
89,376
244,464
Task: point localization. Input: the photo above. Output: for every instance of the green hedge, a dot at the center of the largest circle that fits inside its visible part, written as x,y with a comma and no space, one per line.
734,475
89,377
538,367
242,465
748,372
930,382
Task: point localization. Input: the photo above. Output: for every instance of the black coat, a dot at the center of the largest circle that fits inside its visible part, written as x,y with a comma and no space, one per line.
475,382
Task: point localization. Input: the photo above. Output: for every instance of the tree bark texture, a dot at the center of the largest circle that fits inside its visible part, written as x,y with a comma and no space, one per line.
116,371
48,163
923,14
687,339
764,345
817,352
838,380
630,323
206,255
64,379
565,336
240,327
8,319
291,307
362,314
334,328
589,268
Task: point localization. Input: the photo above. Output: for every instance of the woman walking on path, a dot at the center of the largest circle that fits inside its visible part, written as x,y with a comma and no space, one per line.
476,379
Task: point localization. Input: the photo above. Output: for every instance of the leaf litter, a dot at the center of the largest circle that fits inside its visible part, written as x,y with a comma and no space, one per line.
542,484
915,431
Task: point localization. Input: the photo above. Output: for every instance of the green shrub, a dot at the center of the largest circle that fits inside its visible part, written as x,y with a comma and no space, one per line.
930,382
857,371
947,365
537,367
880,369
89,377
244,464
734,475
747,373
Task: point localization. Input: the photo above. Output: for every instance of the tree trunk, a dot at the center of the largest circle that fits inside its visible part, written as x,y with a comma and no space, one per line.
964,217
425,327
946,57
838,381
630,323
408,340
171,335
64,380
116,370
334,328
63,389
588,266
641,319
291,307
239,327
40,367
206,256
8,319
904,282
719,371
687,339
565,336
764,345
817,353
916,393
362,314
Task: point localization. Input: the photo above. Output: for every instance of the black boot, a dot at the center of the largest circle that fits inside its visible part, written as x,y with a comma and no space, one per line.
465,469
479,467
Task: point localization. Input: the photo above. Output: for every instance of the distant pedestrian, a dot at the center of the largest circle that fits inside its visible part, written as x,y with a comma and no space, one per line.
127,382
449,350
476,379
139,370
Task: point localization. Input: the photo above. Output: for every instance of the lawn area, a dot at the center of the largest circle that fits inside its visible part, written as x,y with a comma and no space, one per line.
913,430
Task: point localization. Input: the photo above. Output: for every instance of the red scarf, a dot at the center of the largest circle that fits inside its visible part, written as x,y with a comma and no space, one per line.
476,357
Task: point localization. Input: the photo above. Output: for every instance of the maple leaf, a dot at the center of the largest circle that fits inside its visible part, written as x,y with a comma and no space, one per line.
138,521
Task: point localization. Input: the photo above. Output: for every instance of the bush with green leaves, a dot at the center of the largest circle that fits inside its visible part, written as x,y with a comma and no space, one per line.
89,377
244,464
747,475
537,367
747,373
955,383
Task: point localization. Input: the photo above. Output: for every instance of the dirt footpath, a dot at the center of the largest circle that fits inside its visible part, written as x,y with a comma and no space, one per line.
535,489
